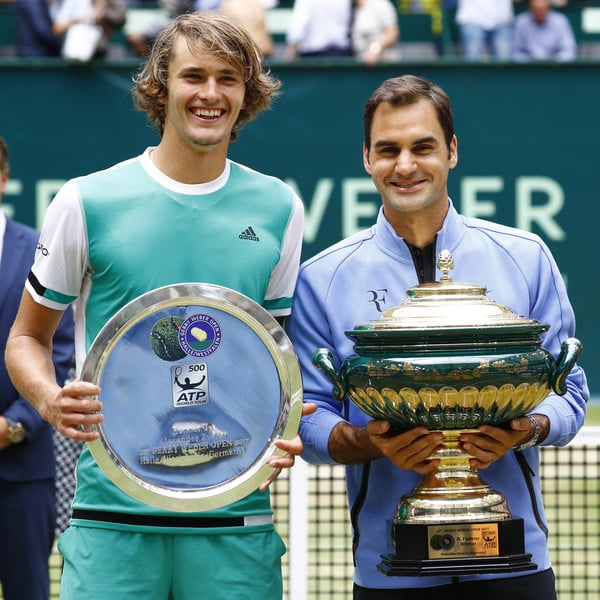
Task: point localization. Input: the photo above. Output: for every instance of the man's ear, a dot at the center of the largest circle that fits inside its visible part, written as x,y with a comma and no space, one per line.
366,162
453,152
3,182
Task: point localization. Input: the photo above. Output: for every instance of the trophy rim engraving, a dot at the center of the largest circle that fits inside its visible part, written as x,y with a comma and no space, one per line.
288,410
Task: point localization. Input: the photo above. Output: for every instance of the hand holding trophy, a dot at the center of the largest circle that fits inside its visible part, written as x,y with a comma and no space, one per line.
199,383
450,359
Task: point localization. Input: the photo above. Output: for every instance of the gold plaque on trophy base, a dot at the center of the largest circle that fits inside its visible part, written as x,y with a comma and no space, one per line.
457,549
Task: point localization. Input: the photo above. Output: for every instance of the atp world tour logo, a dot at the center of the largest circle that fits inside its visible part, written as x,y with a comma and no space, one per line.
199,335
189,384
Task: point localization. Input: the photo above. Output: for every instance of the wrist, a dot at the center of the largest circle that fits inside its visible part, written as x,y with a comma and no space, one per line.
535,438
351,444
375,48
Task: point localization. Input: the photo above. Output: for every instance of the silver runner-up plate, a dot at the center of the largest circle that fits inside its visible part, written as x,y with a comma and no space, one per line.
197,382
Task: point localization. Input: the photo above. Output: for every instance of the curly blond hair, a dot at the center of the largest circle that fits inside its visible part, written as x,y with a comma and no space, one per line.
209,32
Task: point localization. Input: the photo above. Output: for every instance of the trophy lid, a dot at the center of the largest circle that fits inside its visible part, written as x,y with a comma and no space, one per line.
448,305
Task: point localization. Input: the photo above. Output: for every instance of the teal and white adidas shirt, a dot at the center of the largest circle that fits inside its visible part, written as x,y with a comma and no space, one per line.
113,235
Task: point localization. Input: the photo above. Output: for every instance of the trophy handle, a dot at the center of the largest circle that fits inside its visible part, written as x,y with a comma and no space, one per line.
571,350
323,360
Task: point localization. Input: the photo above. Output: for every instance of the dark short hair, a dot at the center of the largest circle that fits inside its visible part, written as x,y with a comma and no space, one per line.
407,90
214,33
4,163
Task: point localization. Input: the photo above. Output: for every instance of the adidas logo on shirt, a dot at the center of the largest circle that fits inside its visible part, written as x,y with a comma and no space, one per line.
249,234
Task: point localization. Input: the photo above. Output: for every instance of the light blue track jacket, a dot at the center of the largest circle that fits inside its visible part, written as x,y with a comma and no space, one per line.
352,283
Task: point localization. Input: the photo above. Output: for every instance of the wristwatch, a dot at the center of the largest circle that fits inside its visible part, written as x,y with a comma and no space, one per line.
533,440
16,431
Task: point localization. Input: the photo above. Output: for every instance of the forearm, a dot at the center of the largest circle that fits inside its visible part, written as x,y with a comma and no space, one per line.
389,36
74,410
29,364
61,28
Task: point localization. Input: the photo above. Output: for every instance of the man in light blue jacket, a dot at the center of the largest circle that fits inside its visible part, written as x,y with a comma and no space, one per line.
541,33
409,149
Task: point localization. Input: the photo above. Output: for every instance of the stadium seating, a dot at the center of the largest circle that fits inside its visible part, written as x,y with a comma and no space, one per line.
417,40
7,27
586,26
585,22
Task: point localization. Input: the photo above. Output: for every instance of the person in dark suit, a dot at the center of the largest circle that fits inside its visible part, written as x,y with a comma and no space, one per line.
34,35
27,467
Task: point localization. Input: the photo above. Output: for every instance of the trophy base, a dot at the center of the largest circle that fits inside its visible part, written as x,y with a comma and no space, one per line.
464,548
458,566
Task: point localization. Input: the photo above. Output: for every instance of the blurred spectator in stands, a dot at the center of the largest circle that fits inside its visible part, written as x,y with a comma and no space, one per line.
252,15
140,41
206,4
543,34
485,28
319,28
109,14
375,30
34,34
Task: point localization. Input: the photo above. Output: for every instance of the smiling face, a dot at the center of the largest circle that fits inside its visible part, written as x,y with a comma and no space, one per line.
205,96
409,161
